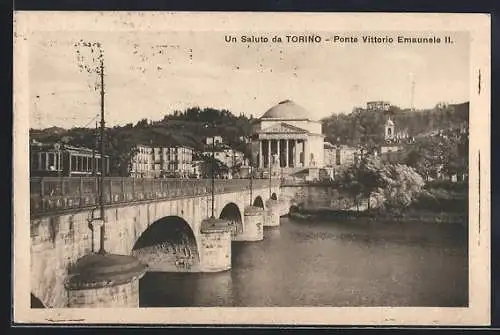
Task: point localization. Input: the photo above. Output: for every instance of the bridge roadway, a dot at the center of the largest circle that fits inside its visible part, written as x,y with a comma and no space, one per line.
162,222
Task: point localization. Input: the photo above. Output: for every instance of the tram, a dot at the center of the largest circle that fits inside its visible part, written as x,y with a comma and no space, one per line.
62,160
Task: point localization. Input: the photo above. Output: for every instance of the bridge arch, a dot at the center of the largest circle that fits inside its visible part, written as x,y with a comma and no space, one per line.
168,245
274,196
232,213
35,302
258,202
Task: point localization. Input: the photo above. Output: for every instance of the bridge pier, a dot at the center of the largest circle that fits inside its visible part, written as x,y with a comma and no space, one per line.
272,213
215,245
105,280
253,223
284,205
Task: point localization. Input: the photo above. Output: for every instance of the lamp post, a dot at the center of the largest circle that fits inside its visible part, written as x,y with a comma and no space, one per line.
219,228
250,163
270,171
212,168
213,175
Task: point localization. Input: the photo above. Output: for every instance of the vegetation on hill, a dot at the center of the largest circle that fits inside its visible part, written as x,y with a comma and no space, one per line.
364,127
192,126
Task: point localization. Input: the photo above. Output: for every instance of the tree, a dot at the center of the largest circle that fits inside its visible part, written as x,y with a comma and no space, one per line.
208,163
386,185
403,186
121,150
361,180
142,123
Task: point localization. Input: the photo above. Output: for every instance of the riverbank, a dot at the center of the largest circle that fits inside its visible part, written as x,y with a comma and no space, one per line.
375,217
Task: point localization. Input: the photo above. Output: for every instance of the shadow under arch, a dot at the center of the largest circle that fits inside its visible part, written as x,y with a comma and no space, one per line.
168,245
274,196
232,213
36,303
258,202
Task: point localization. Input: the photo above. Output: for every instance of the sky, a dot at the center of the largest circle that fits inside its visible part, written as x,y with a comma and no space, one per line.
148,75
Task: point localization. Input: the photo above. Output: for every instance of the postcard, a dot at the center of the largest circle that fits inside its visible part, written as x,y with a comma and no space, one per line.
251,168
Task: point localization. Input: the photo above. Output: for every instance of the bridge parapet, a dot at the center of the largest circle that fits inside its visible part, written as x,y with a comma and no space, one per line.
49,194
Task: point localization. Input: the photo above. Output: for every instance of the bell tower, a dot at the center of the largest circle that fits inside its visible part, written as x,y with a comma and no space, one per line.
389,130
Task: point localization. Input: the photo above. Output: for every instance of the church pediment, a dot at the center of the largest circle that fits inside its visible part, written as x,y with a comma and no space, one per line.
283,128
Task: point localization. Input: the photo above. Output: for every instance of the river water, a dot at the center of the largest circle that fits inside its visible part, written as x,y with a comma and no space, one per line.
329,264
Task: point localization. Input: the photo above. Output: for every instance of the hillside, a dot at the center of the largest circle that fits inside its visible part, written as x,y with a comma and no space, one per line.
367,127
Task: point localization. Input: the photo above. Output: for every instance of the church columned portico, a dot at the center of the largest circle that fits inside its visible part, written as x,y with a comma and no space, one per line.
285,137
288,153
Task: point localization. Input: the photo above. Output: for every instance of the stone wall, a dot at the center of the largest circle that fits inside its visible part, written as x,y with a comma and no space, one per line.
56,243
125,295
317,197
215,253
167,257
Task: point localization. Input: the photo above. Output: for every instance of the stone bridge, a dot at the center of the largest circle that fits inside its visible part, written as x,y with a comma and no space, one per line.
162,222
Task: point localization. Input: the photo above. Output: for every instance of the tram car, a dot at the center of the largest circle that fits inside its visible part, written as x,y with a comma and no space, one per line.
62,160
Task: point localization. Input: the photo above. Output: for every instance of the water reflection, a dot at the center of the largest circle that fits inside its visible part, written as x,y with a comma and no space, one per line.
272,233
187,289
329,264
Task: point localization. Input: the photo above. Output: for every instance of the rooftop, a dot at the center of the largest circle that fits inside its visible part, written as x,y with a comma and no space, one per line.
286,110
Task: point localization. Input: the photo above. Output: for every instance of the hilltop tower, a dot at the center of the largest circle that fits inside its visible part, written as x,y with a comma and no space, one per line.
389,130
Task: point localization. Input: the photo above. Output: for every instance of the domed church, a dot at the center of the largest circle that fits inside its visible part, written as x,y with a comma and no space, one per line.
287,137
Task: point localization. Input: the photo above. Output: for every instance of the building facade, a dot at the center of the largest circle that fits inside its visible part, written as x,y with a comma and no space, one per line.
329,154
212,139
346,156
378,105
286,137
161,162
141,162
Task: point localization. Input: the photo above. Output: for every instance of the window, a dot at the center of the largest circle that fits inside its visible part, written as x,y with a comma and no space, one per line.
35,161
73,163
57,161
337,157
44,161
51,158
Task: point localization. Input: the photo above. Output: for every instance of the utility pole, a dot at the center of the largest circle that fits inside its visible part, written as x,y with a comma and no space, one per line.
101,188
213,176
93,63
412,93
94,159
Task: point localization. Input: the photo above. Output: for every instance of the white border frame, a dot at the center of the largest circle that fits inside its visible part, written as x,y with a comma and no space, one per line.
478,25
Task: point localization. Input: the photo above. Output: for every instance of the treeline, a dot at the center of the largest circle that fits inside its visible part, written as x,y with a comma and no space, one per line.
367,127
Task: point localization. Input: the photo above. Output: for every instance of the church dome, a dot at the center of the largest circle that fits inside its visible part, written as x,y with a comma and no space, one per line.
287,110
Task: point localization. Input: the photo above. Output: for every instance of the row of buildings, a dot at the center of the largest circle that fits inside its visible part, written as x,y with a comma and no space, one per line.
285,138
161,162
150,161
146,161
